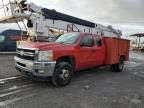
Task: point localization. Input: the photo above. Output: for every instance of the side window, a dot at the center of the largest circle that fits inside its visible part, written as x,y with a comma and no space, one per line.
2,38
98,41
87,40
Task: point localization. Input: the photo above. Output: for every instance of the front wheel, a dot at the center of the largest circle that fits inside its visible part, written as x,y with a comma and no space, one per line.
119,66
62,75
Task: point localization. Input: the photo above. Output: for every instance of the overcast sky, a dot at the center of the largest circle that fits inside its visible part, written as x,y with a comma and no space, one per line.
126,15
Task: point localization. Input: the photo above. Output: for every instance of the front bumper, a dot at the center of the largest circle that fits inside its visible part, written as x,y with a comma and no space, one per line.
37,69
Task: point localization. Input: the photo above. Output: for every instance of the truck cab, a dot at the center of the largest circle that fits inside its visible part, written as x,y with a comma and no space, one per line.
71,52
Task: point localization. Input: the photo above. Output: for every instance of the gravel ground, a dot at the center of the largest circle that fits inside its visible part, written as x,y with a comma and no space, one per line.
95,88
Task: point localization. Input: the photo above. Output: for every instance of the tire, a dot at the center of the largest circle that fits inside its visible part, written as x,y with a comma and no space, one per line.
112,67
63,74
118,67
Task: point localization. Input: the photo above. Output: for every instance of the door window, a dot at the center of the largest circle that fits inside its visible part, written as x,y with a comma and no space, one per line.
87,40
98,41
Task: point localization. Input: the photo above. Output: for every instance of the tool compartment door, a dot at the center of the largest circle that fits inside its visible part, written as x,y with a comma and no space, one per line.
115,48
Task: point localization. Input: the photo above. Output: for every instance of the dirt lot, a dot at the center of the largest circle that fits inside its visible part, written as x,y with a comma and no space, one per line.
95,88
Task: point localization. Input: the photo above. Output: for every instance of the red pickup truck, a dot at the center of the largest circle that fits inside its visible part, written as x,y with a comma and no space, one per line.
69,53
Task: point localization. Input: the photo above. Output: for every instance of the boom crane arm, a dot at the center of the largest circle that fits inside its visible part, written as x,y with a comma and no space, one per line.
41,20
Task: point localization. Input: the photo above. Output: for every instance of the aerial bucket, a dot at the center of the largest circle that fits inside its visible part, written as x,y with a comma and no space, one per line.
10,12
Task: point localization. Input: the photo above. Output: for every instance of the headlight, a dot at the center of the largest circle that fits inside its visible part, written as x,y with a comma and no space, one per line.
45,56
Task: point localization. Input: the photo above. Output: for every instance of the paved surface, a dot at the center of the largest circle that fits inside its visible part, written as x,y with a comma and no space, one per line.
95,88
7,68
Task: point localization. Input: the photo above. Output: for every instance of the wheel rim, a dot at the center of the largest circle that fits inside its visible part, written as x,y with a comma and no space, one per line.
65,74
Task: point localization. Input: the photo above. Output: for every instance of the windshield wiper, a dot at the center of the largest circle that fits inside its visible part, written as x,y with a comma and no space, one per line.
63,43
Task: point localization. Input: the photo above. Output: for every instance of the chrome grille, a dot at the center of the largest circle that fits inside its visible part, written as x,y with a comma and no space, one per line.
26,54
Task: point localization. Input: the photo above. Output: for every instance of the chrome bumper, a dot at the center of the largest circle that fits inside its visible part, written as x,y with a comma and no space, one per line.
38,69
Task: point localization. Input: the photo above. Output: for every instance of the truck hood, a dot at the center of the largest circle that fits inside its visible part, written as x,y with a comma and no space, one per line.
40,45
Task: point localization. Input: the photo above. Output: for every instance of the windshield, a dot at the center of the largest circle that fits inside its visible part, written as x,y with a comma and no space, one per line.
68,38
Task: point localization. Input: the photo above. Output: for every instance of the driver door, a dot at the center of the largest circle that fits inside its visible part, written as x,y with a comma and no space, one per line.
86,51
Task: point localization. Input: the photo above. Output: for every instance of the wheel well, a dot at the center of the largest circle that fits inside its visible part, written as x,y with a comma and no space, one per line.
68,59
122,56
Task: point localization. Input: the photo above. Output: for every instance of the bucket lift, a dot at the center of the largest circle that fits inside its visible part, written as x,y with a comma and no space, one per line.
41,21
10,14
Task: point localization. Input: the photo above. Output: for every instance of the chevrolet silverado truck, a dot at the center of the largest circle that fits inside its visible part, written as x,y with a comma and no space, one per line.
70,53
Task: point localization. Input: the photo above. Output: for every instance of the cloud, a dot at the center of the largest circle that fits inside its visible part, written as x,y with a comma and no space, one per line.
115,11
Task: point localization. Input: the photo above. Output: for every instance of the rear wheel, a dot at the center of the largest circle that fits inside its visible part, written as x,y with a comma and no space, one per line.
63,74
118,67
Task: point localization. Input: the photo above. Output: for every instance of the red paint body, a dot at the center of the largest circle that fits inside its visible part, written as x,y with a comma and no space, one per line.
87,57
